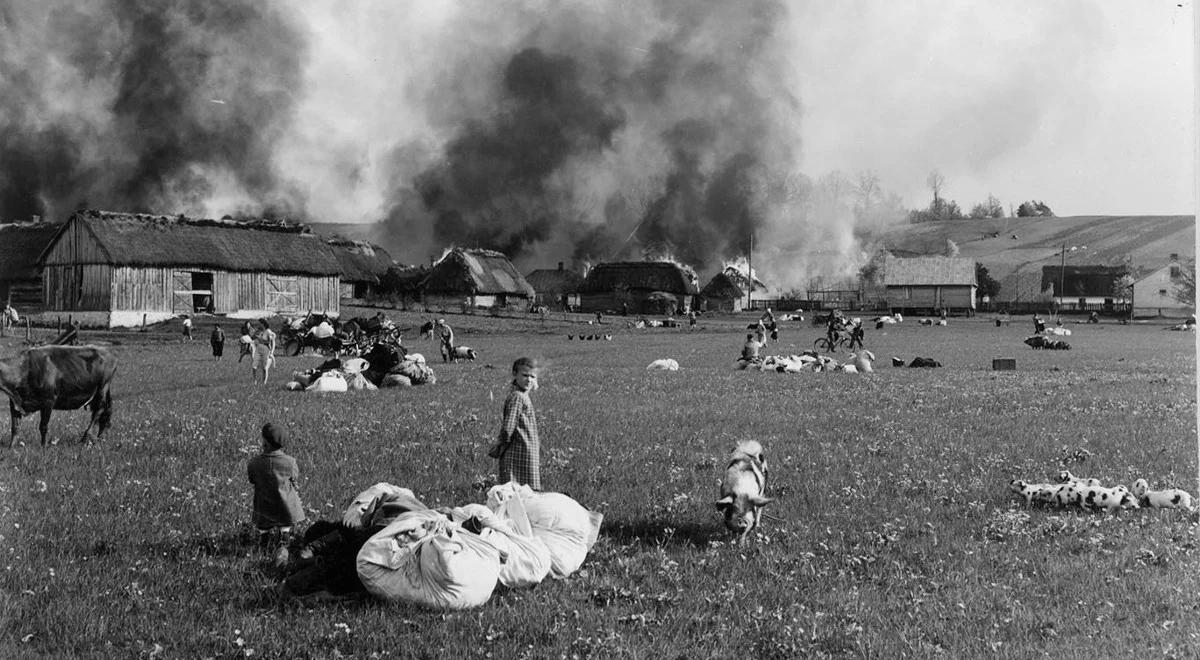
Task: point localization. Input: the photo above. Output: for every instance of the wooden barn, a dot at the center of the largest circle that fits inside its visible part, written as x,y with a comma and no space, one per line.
475,278
723,293
363,266
641,287
20,245
928,284
118,269
557,288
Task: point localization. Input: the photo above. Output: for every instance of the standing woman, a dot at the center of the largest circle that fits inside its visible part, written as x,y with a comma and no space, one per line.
263,352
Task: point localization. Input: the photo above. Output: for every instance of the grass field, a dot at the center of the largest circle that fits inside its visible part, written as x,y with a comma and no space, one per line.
897,536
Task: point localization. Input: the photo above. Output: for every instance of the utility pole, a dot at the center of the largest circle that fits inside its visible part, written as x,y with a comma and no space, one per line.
1062,273
750,273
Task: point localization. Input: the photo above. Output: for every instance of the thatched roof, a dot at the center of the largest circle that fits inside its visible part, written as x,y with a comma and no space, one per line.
476,272
1088,281
929,271
134,239
554,281
20,245
403,279
722,287
638,275
360,261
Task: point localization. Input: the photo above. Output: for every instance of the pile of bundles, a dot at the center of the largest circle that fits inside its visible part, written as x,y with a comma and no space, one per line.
811,361
1089,494
341,375
452,558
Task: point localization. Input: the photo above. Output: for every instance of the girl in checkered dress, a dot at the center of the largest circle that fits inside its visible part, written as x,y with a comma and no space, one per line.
519,449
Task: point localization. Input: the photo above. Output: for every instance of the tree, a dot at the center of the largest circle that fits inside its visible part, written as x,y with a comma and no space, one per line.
987,285
992,208
1185,283
936,182
1034,209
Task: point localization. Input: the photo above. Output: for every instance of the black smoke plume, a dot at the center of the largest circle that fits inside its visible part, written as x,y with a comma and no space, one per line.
155,106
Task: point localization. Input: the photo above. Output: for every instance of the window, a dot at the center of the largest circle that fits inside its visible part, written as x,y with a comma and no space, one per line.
1162,292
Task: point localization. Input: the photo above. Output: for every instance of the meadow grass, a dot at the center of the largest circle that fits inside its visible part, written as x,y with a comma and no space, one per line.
896,535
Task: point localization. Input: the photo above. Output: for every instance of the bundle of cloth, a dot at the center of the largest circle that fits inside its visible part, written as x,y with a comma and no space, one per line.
335,375
446,558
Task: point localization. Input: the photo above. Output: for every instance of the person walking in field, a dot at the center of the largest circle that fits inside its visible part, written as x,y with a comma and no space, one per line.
856,335
445,338
217,340
263,351
276,504
518,448
187,327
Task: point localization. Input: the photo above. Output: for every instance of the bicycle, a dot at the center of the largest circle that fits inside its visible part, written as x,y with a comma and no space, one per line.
825,344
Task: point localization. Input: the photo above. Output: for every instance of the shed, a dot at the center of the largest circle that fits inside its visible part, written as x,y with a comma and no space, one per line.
475,278
20,245
555,287
722,294
629,284
927,284
116,269
1083,287
362,263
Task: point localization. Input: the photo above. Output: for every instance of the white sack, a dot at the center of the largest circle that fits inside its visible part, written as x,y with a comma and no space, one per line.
330,381
378,502
525,558
565,526
425,559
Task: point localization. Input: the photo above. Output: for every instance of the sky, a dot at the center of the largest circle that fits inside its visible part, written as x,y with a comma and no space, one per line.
586,130
1086,105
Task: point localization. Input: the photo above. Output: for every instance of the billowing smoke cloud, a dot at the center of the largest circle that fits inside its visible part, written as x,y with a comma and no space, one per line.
549,129
173,106
614,134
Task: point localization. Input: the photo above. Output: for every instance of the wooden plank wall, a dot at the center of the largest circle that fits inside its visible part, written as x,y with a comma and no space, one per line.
141,289
75,246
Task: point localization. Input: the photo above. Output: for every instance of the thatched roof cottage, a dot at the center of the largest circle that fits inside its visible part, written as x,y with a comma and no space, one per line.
363,265
629,285
118,269
475,278
555,287
927,284
723,294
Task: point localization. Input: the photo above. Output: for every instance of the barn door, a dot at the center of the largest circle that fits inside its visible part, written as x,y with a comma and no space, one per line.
181,292
282,294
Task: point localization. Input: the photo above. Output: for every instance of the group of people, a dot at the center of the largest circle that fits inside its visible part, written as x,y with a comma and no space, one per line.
258,343
276,505
837,325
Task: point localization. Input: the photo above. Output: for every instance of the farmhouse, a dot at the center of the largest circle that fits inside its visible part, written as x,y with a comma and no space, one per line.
556,288
118,269
1084,288
723,293
20,245
363,264
402,284
927,284
1155,294
642,287
475,278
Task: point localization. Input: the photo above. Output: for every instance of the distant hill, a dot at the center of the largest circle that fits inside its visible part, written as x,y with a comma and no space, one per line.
1015,249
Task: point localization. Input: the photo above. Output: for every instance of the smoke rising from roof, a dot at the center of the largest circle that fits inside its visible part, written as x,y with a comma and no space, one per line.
542,129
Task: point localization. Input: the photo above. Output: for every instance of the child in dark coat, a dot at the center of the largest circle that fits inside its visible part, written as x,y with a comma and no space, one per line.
217,339
277,505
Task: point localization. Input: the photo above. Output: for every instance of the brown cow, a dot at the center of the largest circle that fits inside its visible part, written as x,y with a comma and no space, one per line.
47,378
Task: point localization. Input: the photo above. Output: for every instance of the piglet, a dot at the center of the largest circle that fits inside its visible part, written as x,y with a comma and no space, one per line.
743,488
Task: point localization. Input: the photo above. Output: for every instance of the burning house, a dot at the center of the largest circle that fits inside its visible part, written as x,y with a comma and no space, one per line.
363,264
641,287
475,278
20,245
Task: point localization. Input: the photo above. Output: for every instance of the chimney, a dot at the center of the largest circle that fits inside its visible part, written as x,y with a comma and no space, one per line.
560,265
